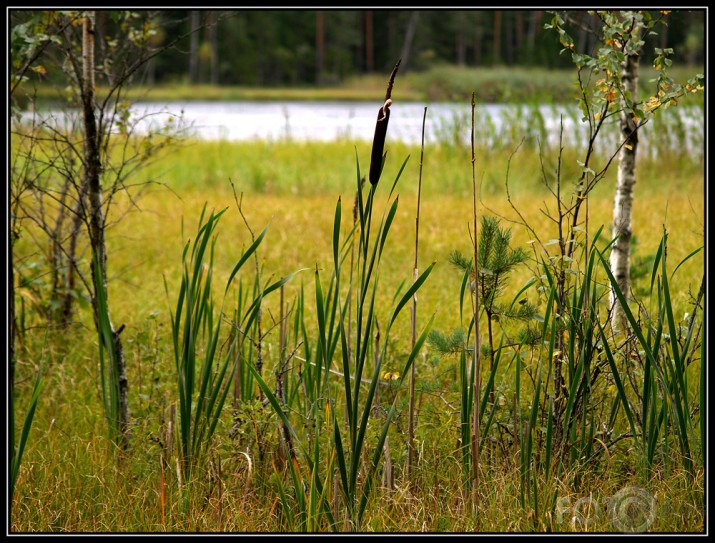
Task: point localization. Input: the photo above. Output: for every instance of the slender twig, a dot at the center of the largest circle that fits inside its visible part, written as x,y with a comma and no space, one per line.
259,354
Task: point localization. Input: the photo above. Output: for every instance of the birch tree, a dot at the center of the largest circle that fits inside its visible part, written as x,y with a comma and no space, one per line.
112,341
623,201
615,62
607,79
69,168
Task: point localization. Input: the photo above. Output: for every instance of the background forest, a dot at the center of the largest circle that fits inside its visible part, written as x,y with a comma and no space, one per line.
310,47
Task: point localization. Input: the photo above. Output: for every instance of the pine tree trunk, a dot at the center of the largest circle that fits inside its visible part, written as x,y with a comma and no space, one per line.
213,40
460,39
369,43
518,30
92,180
509,35
623,202
409,36
496,43
319,46
478,34
531,33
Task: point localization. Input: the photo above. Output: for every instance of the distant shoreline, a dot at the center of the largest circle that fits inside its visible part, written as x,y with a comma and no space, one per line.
497,85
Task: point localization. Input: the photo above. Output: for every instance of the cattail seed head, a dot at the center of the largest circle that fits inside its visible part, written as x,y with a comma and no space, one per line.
378,142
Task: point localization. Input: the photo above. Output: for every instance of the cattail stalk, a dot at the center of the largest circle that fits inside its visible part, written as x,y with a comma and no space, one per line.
411,422
476,359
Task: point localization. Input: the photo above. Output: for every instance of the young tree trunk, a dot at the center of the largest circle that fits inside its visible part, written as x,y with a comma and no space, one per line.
92,180
623,202
71,274
57,260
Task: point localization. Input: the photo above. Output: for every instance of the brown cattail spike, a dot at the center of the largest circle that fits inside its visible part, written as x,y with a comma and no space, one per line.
378,141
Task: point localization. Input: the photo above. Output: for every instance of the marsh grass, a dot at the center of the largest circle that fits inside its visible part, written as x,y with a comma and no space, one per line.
288,167
66,483
349,448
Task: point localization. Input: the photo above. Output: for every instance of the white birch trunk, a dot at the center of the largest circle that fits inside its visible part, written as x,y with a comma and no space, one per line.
93,184
623,202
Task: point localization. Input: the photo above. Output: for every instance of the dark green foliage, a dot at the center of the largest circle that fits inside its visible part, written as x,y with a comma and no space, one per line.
496,260
454,343
528,336
279,46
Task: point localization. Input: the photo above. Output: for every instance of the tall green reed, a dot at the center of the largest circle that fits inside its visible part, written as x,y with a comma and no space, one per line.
346,448
196,334
357,415
667,353
349,392
17,449
108,372
649,367
569,337
202,364
415,275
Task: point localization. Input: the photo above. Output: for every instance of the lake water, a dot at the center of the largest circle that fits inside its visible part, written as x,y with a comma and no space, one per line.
495,124
328,121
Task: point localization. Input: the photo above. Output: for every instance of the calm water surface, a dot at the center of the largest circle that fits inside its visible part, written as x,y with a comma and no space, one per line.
329,121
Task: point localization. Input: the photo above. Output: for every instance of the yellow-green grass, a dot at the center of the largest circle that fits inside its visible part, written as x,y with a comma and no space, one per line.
70,482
